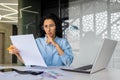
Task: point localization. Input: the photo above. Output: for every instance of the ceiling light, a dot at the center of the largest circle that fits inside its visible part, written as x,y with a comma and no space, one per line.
9,12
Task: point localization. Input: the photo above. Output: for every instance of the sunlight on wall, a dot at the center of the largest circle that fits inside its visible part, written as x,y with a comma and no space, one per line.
84,17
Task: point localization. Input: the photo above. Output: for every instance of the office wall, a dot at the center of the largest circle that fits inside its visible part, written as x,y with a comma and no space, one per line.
90,21
6,30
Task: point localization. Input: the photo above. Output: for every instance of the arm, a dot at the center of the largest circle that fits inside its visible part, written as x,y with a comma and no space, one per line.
50,40
59,49
19,58
64,50
67,57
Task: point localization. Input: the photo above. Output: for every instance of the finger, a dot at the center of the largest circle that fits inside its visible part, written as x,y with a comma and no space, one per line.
13,46
46,35
10,51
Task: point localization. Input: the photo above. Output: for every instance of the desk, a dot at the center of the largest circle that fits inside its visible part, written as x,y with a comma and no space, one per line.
106,74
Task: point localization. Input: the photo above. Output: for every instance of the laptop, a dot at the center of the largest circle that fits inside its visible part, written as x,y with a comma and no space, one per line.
101,61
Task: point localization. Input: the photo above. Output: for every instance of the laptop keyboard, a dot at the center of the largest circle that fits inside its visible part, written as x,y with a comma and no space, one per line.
87,67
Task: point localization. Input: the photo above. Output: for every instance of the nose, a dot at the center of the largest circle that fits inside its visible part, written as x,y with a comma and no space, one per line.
48,29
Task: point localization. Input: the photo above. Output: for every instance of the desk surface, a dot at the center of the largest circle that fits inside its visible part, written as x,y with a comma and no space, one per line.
106,74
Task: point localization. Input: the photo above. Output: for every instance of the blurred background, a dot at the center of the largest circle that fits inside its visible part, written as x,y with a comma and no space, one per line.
85,24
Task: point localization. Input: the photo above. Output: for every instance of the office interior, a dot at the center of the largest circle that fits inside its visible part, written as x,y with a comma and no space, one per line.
85,25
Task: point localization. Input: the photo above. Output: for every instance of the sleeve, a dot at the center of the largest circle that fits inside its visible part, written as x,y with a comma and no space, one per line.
67,57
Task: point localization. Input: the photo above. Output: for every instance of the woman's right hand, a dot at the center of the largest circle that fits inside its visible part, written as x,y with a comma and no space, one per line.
13,50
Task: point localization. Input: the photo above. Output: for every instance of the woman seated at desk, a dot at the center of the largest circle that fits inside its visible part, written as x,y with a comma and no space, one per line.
55,50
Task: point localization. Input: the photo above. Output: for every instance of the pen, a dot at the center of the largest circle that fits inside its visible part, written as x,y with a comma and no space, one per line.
49,75
9,48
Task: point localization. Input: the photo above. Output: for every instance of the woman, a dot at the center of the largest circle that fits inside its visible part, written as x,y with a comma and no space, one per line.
55,50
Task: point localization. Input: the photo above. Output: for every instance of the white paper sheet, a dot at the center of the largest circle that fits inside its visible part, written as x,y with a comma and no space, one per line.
28,49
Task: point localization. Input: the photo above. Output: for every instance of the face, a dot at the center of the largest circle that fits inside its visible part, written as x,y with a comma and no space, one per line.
49,27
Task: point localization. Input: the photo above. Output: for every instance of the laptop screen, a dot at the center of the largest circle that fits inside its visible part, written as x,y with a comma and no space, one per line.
104,55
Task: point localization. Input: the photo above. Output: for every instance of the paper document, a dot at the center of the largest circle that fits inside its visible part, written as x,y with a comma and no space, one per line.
28,49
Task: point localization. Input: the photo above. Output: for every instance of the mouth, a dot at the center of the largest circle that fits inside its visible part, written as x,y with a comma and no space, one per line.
50,34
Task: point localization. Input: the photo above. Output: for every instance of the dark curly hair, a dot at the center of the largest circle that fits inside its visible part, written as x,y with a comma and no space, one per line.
57,21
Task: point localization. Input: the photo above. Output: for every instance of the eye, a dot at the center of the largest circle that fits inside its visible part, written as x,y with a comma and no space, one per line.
51,25
45,26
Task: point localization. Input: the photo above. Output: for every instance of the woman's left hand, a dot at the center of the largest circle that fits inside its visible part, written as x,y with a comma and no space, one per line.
50,40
